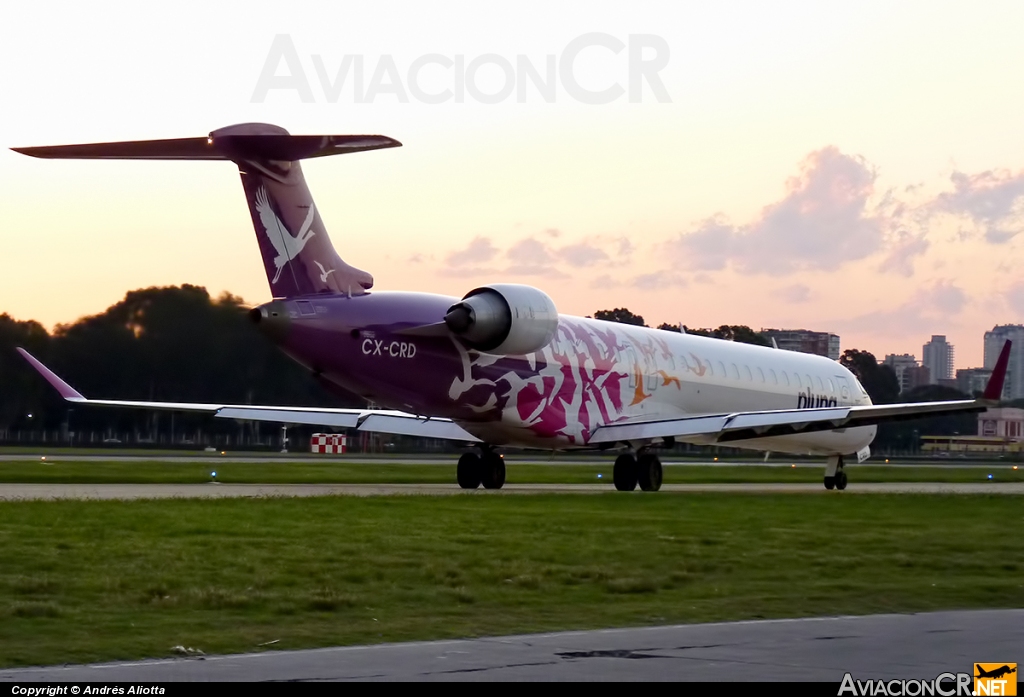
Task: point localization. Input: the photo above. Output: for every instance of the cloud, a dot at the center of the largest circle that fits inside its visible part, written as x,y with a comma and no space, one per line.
931,309
582,254
1015,298
992,200
480,250
901,254
659,280
797,293
822,222
530,251
605,281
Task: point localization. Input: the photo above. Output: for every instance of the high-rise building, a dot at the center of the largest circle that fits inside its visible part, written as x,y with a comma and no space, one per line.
937,356
916,376
1013,388
971,380
899,364
804,341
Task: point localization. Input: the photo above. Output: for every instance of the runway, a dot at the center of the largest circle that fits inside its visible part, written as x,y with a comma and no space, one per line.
872,647
49,492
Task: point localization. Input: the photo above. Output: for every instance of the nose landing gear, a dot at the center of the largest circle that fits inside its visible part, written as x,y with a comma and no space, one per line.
835,474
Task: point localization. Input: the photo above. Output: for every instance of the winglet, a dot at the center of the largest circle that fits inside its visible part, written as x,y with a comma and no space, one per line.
66,391
994,388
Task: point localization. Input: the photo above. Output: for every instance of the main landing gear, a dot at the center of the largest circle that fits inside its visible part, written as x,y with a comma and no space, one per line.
835,474
485,467
644,469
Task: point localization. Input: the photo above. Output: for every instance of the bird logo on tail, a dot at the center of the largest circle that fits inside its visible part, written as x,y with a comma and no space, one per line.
286,246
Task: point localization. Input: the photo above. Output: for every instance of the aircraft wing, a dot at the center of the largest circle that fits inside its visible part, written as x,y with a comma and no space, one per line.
373,420
724,428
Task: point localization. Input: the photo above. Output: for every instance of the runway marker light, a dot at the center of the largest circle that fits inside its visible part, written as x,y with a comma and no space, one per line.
990,476
716,459
793,466
887,461
213,474
223,453
1015,467
599,476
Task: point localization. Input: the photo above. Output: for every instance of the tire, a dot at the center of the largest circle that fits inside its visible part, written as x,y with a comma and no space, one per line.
649,472
624,474
468,471
840,480
830,483
492,471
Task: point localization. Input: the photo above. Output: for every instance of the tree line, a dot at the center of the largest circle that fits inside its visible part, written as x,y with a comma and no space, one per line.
159,344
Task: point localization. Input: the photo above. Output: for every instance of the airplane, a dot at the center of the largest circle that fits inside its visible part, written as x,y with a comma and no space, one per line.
500,367
994,673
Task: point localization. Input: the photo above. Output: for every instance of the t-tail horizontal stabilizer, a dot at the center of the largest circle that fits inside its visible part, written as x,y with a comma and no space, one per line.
282,148
298,256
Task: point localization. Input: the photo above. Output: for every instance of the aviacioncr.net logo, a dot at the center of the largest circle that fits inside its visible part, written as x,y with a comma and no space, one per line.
944,685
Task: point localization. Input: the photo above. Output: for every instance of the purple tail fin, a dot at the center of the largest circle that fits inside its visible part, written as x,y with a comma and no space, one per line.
297,253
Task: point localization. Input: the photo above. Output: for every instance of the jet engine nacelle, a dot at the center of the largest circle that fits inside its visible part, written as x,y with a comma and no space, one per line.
504,319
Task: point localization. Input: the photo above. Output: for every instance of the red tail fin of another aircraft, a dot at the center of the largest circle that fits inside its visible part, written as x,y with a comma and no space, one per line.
994,388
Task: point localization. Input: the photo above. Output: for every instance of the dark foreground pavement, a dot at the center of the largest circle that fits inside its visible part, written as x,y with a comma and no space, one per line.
816,649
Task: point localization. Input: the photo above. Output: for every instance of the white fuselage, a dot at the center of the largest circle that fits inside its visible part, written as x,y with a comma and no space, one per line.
595,373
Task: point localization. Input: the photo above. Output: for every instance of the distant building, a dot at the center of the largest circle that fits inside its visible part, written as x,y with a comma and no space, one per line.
971,380
916,376
1000,431
804,341
1002,423
1013,388
899,364
937,356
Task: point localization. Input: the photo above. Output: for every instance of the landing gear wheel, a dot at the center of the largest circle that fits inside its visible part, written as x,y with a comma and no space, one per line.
469,471
649,472
624,474
830,483
492,471
841,480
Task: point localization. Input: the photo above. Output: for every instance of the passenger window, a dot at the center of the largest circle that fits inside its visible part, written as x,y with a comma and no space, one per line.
721,369
821,387
796,379
785,378
760,373
775,378
735,371
746,369
708,367
810,383
831,386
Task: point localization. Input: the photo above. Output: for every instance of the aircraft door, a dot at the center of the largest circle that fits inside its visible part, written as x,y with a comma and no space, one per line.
845,391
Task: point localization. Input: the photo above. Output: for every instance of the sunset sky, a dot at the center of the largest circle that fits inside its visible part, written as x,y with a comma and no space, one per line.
847,167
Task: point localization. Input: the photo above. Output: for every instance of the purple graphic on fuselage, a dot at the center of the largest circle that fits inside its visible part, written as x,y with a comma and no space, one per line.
568,389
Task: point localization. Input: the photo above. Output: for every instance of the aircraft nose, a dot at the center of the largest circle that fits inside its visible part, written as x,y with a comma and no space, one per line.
272,319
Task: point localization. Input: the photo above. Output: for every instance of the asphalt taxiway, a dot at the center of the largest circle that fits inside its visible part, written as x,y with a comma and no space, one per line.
886,647
216,490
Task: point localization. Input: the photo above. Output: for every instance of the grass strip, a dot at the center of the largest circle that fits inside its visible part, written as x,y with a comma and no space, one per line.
89,581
